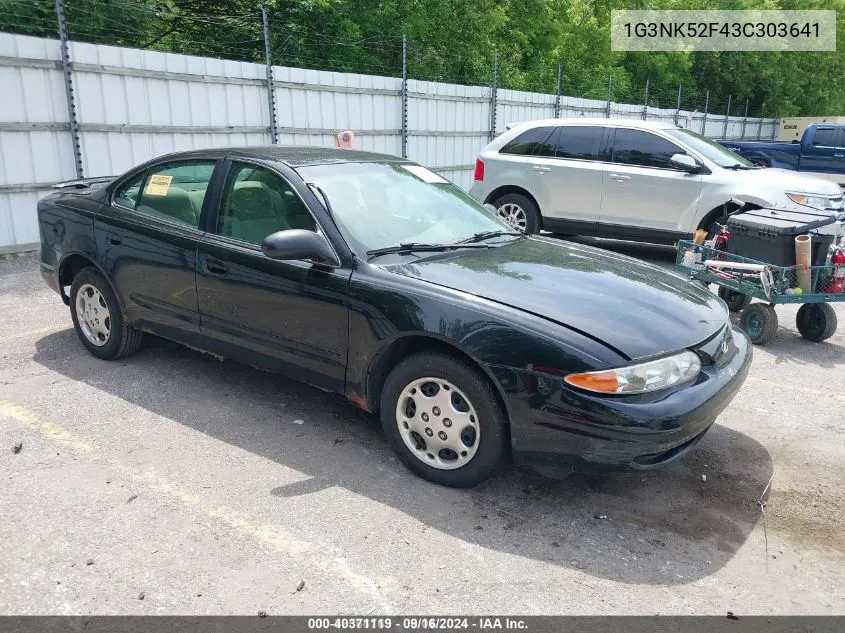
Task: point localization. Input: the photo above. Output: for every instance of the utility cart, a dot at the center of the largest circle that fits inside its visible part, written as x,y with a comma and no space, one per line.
741,279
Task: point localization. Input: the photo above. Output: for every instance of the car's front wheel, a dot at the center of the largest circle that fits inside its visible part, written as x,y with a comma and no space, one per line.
443,419
98,319
519,211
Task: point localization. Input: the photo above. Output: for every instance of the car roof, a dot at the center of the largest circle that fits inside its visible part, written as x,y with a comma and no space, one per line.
636,124
294,156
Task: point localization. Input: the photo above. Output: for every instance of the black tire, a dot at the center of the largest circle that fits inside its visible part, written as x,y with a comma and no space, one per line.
493,429
816,321
736,301
760,322
533,220
123,339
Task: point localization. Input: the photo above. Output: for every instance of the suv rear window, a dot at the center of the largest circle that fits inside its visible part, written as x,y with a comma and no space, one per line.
527,143
579,141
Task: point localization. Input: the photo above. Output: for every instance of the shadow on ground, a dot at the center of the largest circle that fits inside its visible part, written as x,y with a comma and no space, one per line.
664,527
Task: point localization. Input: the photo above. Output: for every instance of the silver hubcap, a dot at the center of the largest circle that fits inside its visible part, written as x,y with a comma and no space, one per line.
93,316
514,215
438,423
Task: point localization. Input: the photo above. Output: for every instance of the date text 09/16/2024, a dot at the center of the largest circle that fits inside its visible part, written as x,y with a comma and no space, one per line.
418,623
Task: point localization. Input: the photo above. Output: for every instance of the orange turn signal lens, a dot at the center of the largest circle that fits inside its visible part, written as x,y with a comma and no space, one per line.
602,381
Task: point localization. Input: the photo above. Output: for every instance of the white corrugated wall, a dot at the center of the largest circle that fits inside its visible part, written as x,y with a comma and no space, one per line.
133,105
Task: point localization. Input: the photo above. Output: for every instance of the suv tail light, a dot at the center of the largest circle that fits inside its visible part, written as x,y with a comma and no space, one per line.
479,170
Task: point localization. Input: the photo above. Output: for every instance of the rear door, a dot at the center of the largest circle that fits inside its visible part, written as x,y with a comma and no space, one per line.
565,171
147,242
642,190
287,316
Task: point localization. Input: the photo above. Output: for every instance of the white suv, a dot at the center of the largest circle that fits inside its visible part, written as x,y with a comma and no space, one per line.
628,179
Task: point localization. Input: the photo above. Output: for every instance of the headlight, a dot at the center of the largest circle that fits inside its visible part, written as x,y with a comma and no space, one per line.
815,201
656,374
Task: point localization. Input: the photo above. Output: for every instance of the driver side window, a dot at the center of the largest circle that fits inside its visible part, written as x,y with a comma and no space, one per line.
257,202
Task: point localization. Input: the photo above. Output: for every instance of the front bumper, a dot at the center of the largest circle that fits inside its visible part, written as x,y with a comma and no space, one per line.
554,425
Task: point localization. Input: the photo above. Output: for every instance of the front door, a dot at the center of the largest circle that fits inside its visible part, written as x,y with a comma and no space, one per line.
287,316
642,190
825,157
147,241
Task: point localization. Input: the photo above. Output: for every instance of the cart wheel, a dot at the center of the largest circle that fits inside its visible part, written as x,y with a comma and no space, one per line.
760,322
737,302
816,321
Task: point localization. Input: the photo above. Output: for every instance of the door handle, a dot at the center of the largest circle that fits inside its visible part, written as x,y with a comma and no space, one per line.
839,155
541,169
114,240
213,267
619,177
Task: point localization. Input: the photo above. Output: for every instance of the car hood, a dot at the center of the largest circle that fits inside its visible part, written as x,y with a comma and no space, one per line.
786,180
636,308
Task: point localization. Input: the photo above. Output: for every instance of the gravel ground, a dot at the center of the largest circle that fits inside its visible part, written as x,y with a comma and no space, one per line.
171,482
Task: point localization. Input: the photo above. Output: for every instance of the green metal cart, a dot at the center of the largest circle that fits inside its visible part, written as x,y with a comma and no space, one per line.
741,279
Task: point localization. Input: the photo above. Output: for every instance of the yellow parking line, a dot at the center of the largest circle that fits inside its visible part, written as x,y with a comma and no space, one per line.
28,333
270,536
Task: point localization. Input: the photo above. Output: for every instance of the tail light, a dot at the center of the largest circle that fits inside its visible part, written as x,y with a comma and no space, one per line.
479,170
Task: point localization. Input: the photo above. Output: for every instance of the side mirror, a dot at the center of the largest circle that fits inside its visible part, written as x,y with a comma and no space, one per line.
684,162
299,244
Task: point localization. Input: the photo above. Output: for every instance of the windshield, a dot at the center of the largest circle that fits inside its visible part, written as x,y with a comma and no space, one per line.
709,149
377,205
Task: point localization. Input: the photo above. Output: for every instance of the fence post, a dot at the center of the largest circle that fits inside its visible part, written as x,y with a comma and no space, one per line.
494,90
744,120
271,97
760,122
678,109
609,91
557,91
645,102
704,119
727,115
71,104
404,96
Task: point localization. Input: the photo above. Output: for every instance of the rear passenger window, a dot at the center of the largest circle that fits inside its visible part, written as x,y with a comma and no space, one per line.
527,143
127,195
825,137
174,191
257,203
579,142
635,147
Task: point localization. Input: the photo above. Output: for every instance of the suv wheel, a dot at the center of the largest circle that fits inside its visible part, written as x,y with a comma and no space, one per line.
519,211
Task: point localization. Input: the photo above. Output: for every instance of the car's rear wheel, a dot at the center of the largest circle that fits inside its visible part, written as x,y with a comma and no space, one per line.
98,318
443,419
519,211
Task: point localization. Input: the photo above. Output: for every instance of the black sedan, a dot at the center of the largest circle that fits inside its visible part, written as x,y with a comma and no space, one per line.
374,277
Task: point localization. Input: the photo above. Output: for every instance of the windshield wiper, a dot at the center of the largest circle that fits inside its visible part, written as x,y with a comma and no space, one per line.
417,247
486,235
739,167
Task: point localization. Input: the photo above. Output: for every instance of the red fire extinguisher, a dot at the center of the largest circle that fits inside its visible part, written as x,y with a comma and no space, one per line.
838,260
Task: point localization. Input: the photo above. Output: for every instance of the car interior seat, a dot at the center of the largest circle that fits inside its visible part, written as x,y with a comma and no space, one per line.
250,213
176,203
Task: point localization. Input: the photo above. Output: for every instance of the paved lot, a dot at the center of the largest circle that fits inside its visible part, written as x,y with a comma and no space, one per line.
210,487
